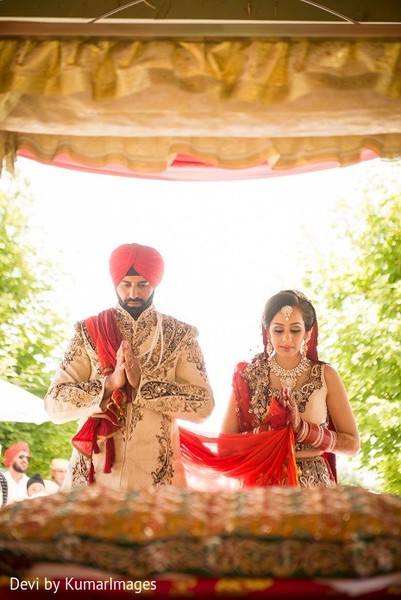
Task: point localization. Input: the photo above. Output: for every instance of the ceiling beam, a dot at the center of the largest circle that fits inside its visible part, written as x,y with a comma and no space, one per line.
358,11
190,29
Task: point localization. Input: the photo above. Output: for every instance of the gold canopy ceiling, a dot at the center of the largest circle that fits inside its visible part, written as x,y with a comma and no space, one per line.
136,93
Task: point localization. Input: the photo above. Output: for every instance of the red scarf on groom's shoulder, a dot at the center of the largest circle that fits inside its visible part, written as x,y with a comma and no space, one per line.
106,337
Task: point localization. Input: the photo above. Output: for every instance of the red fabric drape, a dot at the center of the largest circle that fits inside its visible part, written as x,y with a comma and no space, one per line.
262,459
255,459
106,336
189,168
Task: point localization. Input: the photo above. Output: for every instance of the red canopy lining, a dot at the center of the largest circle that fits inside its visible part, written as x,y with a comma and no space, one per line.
188,168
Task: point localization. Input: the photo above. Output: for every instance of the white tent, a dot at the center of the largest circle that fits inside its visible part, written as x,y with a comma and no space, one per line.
16,404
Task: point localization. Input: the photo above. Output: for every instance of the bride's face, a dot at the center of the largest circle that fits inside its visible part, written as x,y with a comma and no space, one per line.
287,331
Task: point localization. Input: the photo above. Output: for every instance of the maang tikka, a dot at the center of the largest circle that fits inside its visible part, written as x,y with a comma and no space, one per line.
287,311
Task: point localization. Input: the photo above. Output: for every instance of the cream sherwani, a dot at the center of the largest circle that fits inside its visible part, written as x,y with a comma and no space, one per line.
174,385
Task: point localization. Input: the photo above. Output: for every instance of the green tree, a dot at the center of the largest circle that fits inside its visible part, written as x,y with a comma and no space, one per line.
359,297
31,332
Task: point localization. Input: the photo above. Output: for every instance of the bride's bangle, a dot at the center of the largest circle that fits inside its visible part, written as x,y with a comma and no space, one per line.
302,431
317,436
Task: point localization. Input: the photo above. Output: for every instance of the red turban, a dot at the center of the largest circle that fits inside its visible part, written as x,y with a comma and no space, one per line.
13,451
145,260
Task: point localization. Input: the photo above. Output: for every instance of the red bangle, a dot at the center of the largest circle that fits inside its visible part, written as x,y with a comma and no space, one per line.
320,437
303,432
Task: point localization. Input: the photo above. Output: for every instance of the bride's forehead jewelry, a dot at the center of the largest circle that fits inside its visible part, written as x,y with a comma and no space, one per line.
286,311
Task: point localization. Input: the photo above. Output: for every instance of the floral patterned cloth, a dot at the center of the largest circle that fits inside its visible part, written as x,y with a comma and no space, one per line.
263,532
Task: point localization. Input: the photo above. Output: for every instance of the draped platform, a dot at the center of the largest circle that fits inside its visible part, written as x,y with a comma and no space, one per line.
260,541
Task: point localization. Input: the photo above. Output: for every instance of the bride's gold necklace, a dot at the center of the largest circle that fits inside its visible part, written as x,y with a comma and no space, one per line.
288,377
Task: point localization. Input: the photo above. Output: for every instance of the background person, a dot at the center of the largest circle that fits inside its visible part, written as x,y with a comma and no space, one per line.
16,459
58,471
3,489
128,374
35,486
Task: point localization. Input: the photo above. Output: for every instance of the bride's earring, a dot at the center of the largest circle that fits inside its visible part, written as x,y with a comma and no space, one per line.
304,348
269,348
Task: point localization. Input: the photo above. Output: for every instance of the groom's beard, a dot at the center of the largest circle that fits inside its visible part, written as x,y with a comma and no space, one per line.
137,310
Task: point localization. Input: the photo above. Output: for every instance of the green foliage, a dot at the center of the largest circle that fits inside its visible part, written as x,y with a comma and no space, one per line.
359,305
30,328
31,331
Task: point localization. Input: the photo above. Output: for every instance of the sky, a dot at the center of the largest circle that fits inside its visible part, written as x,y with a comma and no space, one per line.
227,246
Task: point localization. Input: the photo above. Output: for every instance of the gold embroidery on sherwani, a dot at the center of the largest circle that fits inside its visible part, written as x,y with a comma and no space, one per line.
167,390
80,470
173,385
175,333
93,387
132,420
196,357
163,475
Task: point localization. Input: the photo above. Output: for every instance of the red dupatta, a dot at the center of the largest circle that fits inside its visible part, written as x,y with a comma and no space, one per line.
254,459
106,337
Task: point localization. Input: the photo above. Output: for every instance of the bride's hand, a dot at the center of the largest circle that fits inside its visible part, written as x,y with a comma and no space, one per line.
288,402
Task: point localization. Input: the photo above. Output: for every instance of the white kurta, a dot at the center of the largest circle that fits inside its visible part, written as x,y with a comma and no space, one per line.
16,489
174,385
